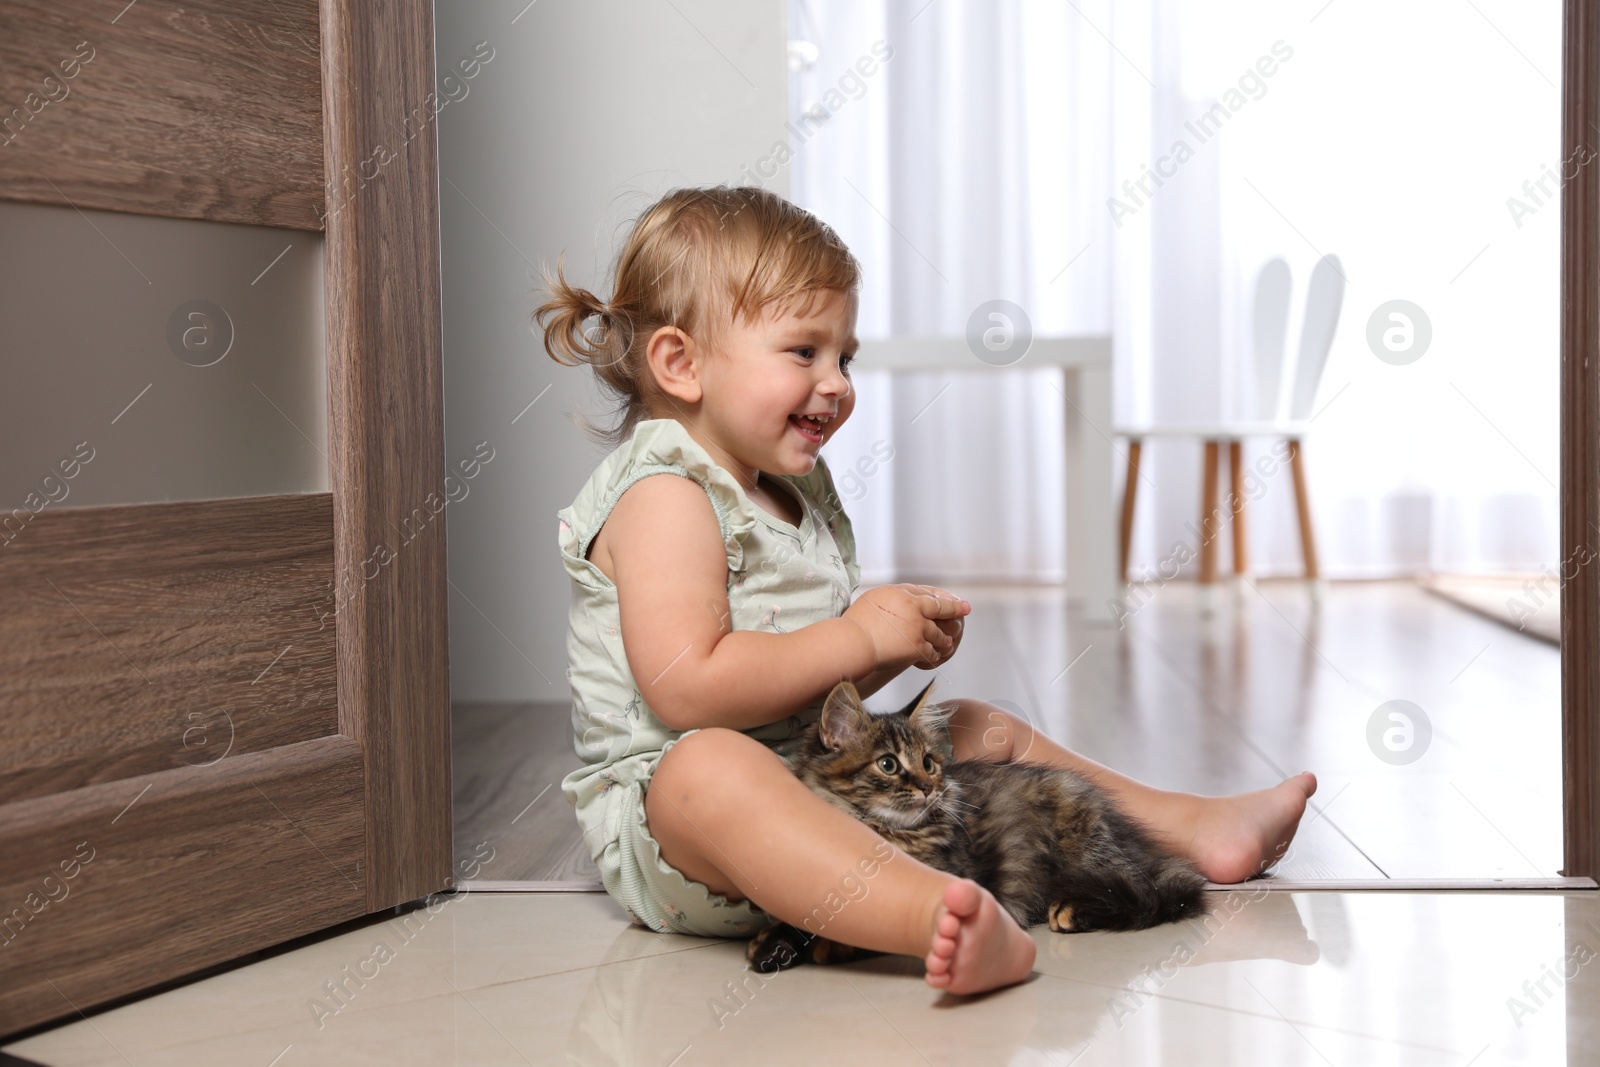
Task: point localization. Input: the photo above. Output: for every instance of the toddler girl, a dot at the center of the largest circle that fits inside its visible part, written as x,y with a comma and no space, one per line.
714,579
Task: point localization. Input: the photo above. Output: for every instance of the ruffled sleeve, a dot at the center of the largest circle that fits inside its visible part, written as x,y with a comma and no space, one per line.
818,488
657,446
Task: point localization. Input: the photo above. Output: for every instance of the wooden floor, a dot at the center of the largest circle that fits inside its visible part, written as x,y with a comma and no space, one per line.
1270,684
512,822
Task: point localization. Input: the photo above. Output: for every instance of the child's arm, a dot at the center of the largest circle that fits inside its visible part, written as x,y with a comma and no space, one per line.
875,681
671,576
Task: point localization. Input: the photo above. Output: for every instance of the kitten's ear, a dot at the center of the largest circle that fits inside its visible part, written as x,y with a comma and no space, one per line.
843,716
917,701
925,715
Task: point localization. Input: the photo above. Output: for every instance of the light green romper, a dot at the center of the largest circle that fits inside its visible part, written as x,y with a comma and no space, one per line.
780,579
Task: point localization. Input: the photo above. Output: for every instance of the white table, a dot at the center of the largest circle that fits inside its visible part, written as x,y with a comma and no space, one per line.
1092,573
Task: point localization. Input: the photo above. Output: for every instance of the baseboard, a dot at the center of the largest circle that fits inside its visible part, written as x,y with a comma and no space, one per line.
529,887
1405,885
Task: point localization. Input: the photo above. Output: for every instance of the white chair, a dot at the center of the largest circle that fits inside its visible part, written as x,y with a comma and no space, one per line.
1276,415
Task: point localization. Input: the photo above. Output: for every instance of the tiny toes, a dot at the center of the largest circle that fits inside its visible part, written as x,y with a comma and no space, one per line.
962,898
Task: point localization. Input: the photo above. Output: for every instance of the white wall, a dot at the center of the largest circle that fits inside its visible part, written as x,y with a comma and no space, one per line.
583,114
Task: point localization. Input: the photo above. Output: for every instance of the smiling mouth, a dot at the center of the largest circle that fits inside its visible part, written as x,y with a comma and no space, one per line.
809,428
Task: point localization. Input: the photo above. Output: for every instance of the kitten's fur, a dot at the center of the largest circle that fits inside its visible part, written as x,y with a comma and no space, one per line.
1048,843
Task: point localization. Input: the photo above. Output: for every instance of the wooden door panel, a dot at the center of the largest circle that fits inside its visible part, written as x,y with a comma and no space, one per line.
208,109
324,809
176,615
185,868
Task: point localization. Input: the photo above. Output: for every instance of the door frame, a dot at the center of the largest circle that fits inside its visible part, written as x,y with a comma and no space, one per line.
1580,479
1580,440
386,434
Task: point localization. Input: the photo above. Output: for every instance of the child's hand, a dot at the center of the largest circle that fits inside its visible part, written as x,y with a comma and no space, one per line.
908,624
952,629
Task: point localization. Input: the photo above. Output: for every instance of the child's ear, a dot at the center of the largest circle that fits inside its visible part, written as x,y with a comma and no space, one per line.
670,355
843,717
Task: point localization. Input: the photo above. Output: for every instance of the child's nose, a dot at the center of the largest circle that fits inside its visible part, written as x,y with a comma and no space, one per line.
836,383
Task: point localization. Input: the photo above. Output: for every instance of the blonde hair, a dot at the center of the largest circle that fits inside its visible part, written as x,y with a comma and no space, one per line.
697,259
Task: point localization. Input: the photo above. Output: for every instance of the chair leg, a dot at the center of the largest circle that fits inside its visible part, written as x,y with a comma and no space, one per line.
1129,491
1241,552
1302,502
1208,516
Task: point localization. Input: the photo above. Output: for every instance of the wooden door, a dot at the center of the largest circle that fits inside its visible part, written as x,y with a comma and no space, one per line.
129,854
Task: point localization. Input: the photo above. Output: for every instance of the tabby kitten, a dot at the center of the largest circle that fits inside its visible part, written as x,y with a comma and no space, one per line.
1048,843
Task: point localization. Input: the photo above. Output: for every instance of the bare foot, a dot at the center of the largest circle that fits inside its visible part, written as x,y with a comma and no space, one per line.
1235,837
977,946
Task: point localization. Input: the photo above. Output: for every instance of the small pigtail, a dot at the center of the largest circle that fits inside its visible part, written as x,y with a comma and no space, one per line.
604,346
562,318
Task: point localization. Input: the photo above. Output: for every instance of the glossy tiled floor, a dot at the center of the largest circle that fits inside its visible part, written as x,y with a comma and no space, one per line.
1271,978
1270,684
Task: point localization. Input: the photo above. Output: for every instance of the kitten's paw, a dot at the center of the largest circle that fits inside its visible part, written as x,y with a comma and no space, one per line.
777,948
1061,918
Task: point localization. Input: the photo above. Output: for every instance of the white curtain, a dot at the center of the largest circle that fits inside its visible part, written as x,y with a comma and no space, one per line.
987,156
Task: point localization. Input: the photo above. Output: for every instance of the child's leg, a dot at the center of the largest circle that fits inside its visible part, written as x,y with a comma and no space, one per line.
1229,838
728,813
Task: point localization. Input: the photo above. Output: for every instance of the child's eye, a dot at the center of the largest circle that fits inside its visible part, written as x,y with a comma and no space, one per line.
845,358
888,764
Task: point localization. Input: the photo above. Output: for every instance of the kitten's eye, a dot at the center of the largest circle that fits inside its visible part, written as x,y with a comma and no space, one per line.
927,764
888,764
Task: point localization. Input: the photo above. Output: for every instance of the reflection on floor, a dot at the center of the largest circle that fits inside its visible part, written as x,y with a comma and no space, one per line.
1466,785
1418,979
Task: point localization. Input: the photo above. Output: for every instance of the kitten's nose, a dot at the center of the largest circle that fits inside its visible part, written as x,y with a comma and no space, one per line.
926,787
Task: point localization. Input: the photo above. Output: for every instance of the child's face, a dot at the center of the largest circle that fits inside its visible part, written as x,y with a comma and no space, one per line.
778,367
